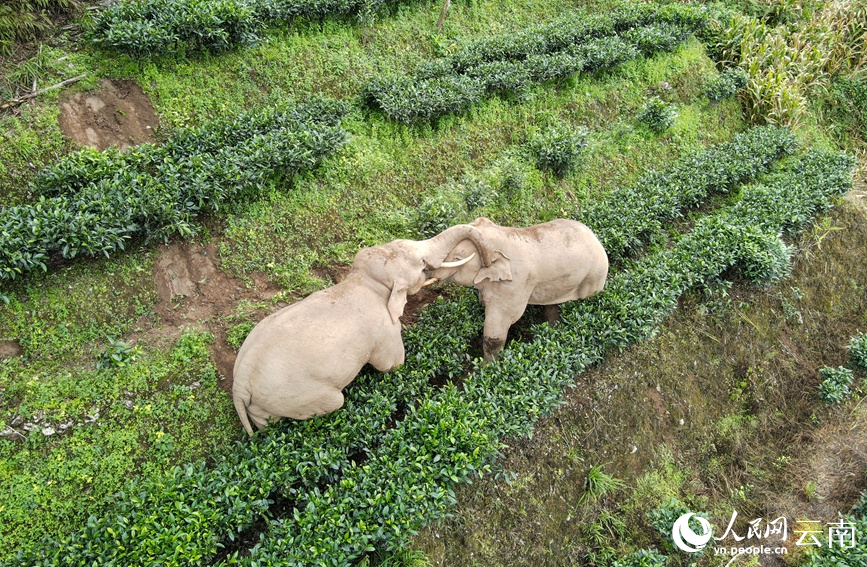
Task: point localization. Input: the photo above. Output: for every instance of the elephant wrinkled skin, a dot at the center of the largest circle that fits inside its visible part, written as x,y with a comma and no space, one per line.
296,362
544,264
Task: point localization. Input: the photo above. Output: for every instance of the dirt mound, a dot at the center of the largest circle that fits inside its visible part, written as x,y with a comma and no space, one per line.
118,114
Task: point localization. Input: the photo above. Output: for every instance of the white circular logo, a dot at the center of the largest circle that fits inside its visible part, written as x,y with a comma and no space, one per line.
687,540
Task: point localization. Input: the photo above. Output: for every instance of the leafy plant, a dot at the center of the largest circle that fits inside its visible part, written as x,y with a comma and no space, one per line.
118,354
835,384
92,203
663,518
236,334
512,63
858,351
727,84
657,115
558,148
642,558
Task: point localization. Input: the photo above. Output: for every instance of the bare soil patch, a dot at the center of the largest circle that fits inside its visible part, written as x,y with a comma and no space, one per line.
118,114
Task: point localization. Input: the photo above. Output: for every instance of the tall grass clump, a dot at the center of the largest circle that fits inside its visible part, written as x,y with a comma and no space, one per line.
26,20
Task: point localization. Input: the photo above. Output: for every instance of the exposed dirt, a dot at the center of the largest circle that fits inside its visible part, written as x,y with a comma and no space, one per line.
194,291
9,349
118,114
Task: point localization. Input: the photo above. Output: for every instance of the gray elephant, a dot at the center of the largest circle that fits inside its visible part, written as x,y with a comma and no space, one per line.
296,362
545,264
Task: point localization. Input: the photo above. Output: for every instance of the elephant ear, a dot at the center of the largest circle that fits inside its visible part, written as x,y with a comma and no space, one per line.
396,302
499,270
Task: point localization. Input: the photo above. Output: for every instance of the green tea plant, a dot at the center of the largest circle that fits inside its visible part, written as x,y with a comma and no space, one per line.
511,64
628,217
117,354
858,351
641,558
558,148
92,203
835,385
657,115
727,84
663,517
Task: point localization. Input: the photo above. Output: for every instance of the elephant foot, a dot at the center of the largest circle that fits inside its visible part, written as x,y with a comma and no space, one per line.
551,314
491,347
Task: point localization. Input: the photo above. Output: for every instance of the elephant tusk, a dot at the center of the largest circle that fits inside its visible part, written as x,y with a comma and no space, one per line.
457,263
430,281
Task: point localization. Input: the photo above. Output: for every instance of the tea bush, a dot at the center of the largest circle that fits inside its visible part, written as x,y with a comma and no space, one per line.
642,558
512,63
628,217
835,384
727,84
858,351
93,203
558,148
657,115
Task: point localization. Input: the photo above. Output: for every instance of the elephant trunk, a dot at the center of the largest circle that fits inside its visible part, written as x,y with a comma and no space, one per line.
440,245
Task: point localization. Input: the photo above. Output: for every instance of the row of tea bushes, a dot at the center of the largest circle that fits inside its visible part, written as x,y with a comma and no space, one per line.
92,203
151,27
512,63
836,382
453,435
627,218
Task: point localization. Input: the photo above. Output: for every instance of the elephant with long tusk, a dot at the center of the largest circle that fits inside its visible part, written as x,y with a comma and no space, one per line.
546,264
296,362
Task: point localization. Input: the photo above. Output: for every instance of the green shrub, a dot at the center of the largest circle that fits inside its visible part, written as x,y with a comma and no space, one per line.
727,84
663,517
117,354
835,385
657,115
858,351
642,558
92,203
558,148
236,334
153,27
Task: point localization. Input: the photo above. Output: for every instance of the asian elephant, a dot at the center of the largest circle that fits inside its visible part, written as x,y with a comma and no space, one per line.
545,264
296,362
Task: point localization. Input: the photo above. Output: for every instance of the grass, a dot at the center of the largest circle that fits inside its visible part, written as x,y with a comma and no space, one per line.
730,365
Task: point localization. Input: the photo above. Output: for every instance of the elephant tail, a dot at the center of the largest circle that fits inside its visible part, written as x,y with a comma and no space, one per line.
242,400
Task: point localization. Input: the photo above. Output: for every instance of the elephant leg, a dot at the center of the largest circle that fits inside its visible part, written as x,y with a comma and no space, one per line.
389,355
497,323
551,313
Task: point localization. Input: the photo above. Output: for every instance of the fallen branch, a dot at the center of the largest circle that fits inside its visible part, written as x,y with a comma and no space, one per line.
25,98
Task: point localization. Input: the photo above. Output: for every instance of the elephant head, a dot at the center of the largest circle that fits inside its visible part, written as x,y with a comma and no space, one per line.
405,266
464,268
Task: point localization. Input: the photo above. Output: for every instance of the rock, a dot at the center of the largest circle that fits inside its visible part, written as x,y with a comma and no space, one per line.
17,421
10,434
48,431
